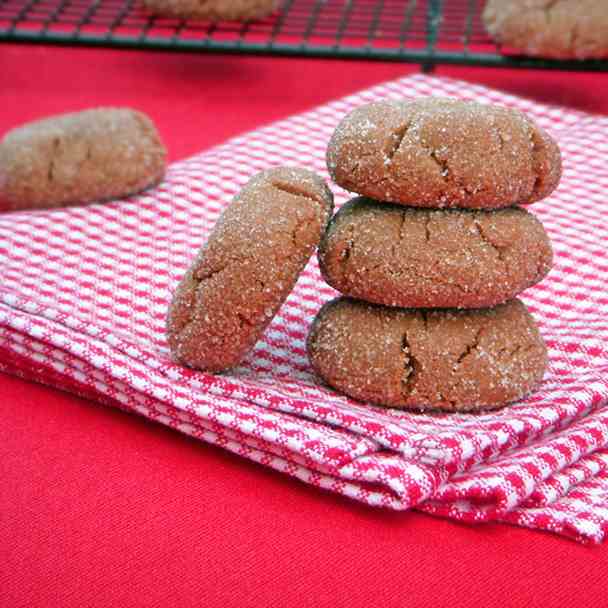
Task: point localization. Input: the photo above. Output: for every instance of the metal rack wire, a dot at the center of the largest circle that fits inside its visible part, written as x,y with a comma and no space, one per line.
421,31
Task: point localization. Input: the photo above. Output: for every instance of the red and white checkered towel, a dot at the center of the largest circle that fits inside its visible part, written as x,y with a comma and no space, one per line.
84,293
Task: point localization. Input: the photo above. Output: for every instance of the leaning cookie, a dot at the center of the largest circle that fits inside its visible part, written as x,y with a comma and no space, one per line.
247,268
213,10
566,29
436,152
442,359
430,258
77,158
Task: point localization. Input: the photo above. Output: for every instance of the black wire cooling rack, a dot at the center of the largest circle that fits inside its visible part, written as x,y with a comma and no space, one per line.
421,31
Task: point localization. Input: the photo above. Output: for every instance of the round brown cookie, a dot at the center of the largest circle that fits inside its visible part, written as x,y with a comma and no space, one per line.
560,29
247,268
430,258
442,359
81,157
212,10
435,152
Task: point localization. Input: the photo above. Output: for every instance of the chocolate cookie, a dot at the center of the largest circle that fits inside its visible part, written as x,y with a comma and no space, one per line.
212,10
436,152
247,268
441,359
401,256
81,157
560,29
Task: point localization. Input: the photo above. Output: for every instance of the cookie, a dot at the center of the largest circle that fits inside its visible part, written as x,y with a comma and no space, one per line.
435,152
77,158
212,10
562,29
247,268
441,359
402,256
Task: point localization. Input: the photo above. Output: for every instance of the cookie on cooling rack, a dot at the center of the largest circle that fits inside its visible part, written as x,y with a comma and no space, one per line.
445,359
247,268
212,10
430,258
562,29
80,157
435,152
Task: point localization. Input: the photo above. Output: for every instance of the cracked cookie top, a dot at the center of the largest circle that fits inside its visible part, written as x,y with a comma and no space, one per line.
560,29
442,359
436,152
78,158
403,256
247,267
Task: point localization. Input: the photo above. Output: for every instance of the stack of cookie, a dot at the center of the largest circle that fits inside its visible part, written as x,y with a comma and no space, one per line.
430,319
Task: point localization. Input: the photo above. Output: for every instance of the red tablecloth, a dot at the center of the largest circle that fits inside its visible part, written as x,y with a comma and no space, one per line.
101,508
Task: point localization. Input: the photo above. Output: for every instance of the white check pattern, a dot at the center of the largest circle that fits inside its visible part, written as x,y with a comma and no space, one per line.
84,294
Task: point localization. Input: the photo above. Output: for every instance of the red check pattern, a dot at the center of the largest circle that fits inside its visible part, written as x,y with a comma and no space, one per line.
85,290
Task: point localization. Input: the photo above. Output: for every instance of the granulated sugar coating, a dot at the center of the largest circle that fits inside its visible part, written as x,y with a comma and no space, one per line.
78,158
562,29
441,359
247,268
436,152
400,256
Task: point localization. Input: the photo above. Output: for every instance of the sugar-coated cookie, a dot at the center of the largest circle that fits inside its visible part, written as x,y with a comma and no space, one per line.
436,152
559,29
247,268
430,258
450,360
212,10
78,158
